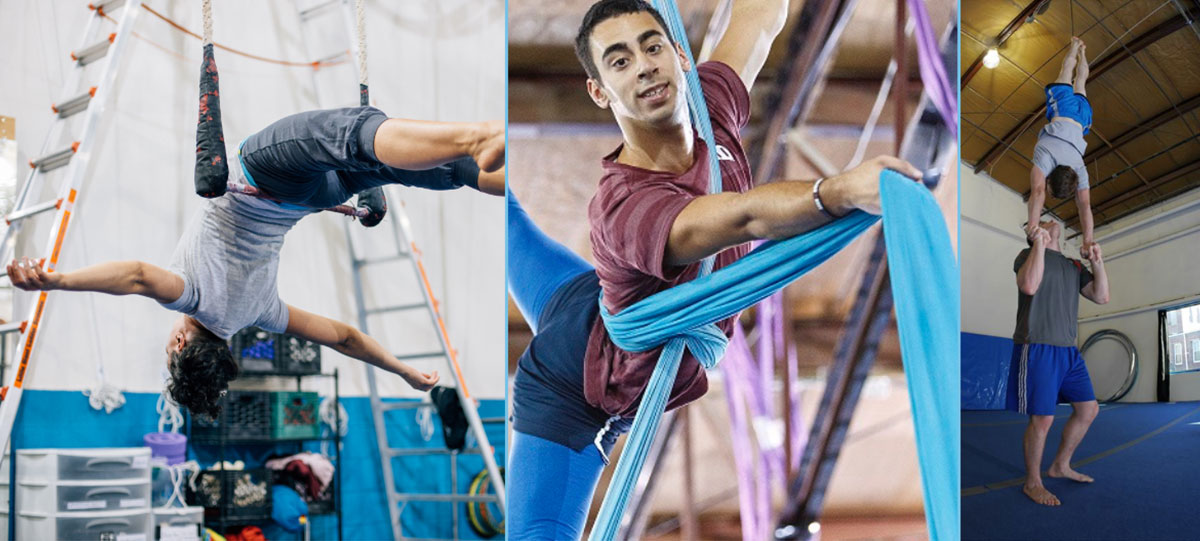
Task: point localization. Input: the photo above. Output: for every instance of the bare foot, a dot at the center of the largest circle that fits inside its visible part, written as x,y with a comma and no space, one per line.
1039,494
489,148
1067,472
1075,44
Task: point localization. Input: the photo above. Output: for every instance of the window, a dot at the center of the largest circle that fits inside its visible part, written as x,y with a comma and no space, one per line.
1179,332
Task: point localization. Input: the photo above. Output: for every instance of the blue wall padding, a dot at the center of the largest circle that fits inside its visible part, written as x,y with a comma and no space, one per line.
64,419
985,361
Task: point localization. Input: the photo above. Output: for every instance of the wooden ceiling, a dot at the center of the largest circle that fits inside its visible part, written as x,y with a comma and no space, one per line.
1144,145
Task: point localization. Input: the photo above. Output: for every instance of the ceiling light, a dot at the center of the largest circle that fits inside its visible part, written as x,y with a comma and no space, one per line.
991,59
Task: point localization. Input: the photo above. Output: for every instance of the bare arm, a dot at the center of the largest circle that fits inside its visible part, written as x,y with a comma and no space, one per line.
353,343
1029,276
753,25
1097,290
1037,199
113,278
712,223
1083,201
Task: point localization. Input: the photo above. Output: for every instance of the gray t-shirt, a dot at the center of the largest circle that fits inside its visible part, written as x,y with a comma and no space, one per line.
228,258
1061,143
1051,315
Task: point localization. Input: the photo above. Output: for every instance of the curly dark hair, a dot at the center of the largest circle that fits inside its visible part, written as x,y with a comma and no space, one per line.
602,11
1063,181
200,373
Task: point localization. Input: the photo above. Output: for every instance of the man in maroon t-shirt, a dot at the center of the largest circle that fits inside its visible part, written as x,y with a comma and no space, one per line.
652,221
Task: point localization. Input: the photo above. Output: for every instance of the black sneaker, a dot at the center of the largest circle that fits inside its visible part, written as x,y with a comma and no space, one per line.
374,201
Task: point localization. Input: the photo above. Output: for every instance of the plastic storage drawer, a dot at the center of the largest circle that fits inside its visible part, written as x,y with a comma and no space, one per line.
51,465
71,496
178,523
106,525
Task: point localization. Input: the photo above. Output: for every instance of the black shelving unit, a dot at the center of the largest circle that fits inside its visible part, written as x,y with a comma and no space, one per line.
223,441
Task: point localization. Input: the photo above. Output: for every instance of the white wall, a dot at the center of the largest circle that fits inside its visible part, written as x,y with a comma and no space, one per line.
428,60
1150,257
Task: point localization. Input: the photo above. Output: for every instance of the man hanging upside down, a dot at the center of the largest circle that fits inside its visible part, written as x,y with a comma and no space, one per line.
222,276
1058,166
651,223
1046,368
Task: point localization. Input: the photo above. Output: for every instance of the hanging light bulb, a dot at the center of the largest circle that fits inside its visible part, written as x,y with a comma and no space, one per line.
991,59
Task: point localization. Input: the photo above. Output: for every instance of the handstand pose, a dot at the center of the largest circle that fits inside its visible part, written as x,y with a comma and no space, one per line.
1046,367
222,276
1058,156
651,223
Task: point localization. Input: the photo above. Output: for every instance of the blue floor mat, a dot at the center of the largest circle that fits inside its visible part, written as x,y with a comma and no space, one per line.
1143,457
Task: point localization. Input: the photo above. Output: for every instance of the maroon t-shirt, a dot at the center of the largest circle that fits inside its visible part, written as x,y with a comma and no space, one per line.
631,217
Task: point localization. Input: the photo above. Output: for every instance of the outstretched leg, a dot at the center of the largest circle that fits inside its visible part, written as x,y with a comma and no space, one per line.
1035,442
550,488
419,144
1081,68
537,264
1081,418
1068,66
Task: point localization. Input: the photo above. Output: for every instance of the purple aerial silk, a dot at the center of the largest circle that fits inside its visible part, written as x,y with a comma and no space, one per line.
933,70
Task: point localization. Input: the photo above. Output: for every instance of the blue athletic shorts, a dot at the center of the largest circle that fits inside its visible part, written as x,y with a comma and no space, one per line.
1062,100
1043,376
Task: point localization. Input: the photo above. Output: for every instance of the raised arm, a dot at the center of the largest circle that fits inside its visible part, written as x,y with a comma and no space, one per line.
113,278
1083,201
1097,290
1037,199
712,223
1029,276
753,25
354,343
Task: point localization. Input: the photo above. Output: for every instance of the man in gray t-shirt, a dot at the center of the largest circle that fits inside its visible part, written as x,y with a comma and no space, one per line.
222,277
1046,367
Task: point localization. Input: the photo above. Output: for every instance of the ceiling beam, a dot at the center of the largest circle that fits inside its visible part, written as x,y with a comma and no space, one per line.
1164,29
804,45
1171,113
1173,175
1002,37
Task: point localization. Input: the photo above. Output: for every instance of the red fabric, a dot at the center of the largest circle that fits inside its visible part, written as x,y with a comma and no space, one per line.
248,533
302,471
631,217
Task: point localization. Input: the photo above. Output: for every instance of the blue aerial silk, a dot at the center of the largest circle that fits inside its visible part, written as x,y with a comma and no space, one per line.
925,286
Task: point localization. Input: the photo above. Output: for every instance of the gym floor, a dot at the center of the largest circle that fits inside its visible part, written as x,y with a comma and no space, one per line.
1143,457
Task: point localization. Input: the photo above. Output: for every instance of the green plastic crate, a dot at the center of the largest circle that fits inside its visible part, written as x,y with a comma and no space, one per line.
295,415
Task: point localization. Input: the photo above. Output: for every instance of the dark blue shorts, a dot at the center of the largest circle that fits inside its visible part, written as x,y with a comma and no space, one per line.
1062,100
548,399
1043,376
319,159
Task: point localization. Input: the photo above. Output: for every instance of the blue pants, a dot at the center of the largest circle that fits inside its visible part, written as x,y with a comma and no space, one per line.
550,497
1042,376
319,159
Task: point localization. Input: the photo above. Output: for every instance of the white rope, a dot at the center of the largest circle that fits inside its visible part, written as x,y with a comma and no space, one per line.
425,421
206,8
177,476
362,42
168,413
327,417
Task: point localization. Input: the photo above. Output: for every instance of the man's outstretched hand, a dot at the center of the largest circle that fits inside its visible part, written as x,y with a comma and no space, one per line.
27,274
419,380
858,188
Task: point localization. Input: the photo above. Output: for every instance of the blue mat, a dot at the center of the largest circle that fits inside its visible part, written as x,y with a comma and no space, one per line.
1143,459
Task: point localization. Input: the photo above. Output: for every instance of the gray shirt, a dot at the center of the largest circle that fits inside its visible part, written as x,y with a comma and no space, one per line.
1051,315
1061,143
228,258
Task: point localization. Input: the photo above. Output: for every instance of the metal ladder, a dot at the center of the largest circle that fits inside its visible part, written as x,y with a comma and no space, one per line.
75,155
403,253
